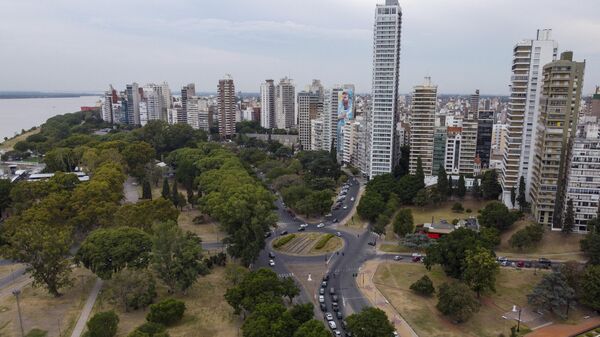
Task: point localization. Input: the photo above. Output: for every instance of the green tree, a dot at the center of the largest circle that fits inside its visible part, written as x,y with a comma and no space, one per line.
423,286
490,236
132,289
289,288
442,184
495,214
590,244
521,199
312,328
5,201
43,247
176,256
137,155
61,159
461,189
165,189
175,195
457,207
481,270
552,293
476,190
383,184
421,198
407,188
106,251
146,190
451,251
527,237
167,312
457,301
404,222
260,286
490,187
370,206
590,287
569,220
417,240
513,196
145,213
102,324
370,322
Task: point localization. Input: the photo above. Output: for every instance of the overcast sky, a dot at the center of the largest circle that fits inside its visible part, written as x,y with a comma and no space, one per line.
84,45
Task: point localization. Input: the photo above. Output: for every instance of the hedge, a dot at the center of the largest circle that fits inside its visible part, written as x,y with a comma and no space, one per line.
323,241
282,241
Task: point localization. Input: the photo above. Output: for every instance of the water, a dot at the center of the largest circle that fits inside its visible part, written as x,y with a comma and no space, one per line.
17,114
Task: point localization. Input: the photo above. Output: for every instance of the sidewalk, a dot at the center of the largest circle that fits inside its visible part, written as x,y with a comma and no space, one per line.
87,309
370,291
566,330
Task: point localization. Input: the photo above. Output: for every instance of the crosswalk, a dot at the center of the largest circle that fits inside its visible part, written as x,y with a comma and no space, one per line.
282,275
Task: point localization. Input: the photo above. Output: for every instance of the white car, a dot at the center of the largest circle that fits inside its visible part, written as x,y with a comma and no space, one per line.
337,333
338,234
329,316
321,225
321,299
345,207
352,199
395,334
304,225
332,325
271,263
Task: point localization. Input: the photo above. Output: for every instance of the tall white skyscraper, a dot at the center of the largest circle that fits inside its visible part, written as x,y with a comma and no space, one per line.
386,67
267,100
285,104
310,106
529,57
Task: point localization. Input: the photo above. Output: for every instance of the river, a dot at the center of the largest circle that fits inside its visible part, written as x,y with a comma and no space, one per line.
18,114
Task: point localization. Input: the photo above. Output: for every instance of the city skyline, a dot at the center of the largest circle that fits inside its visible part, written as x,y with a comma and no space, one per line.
200,43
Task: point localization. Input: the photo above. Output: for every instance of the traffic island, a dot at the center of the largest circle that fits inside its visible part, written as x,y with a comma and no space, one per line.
308,243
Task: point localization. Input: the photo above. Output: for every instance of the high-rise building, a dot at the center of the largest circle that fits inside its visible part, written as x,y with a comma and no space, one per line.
422,126
154,102
386,70
469,136
317,134
439,149
310,106
499,139
285,108
110,98
595,105
133,104
485,124
226,106
453,149
267,100
187,92
557,126
584,175
203,114
529,56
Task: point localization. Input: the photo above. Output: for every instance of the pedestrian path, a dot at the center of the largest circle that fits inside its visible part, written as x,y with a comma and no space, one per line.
87,309
566,330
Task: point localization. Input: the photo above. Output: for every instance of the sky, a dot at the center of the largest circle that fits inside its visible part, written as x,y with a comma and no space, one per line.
75,45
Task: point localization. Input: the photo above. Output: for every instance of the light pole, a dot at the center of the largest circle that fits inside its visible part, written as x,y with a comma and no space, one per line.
519,319
17,292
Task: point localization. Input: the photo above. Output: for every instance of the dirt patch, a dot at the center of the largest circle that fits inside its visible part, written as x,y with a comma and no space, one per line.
208,231
444,210
43,311
304,244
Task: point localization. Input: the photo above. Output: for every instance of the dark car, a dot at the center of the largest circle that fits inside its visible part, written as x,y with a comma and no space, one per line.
339,315
323,306
272,255
267,234
544,263
283,233
520,264
371,243
335,220
322,291
334,298
301,229
326,277
336,306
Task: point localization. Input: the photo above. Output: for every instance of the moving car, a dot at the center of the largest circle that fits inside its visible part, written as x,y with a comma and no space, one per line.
345,207
321,225
334,298
416,257
397,258
303,225
371,243
272,255
323,306
332,325
337,332
338,234
328,316
352,199
322,291
271,263
267,235
339,315
283,233
301,229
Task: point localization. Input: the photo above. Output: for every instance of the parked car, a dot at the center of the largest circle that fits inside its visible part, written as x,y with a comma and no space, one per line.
332,325
283,233
352,199
321,225
416,257
326,277
334,298
345,207
520,264
321,299
338,233
271,263
301,229
397,258
272,255
339,315
371,243
323,306
324,284
335,220
337,333
328,316
336,306
267,235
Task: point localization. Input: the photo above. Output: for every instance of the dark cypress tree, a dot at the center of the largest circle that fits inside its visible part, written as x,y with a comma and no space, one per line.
146,190
175,194
461,189
569,218
451,189
521,199
442,184
166,190
513,196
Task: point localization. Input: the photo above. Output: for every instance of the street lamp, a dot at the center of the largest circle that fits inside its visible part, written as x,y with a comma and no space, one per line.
514,309
17,292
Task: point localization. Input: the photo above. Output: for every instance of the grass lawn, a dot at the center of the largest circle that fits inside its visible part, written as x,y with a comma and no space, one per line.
394,280
207,313
554,245
8,144
43,311
391,248
444,210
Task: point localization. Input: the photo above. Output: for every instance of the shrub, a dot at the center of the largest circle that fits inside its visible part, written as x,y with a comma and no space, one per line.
323,241
457,207
36,333
151,328
167,312
103,324
468,210
282,241
423,286
527,237
457,301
